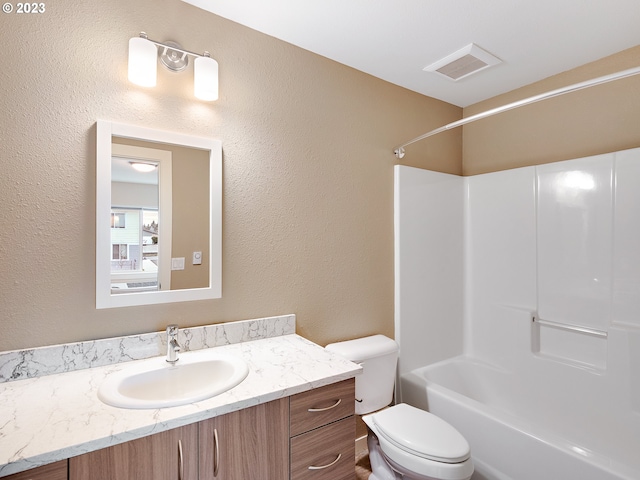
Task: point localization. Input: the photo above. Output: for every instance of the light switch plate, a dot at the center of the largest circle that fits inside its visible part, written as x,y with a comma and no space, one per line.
197,258
177,263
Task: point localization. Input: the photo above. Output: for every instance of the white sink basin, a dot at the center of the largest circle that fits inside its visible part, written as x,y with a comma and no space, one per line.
155,383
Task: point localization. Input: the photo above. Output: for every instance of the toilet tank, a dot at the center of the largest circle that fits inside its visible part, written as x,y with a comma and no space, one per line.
378,356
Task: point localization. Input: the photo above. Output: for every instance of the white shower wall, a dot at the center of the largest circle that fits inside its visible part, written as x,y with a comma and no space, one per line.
428,266
557,243
626,259
575,232
500,253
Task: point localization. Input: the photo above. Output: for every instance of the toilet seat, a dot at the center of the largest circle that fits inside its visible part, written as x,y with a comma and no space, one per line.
418,453
421,433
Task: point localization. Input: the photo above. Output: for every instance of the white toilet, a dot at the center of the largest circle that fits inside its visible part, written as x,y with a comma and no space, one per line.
404,442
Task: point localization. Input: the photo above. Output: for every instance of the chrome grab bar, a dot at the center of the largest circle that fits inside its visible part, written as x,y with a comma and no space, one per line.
572,328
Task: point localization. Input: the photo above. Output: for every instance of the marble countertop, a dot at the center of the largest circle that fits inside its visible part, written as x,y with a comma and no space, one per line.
54,417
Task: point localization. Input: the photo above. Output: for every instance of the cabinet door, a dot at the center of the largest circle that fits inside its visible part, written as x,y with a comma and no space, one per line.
250,444
170,455
53,471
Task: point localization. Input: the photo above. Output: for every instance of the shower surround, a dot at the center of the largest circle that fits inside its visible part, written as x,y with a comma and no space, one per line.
550,287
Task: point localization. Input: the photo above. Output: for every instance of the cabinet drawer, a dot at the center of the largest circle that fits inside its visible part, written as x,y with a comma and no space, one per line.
329,451
322,405
53,471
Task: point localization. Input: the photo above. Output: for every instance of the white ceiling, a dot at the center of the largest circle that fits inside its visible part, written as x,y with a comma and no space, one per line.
395,39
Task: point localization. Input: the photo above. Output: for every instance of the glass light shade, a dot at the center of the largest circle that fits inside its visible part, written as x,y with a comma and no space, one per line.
205,79
143,167
143,63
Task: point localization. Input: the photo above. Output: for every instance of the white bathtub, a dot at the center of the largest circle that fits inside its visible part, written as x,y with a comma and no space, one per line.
550,422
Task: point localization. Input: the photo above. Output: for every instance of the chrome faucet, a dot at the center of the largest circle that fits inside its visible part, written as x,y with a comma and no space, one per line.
172,343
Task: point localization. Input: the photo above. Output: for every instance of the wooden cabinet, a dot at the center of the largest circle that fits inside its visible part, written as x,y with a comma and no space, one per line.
309,436
170,455
322,444
53,471
251,444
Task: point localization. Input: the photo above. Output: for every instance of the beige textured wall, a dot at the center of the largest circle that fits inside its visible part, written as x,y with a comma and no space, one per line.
597,120
190,217
308,177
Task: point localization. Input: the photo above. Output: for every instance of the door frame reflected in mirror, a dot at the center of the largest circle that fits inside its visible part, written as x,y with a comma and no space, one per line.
105,131
163,177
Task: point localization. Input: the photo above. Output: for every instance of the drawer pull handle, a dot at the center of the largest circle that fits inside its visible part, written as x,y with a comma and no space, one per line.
216,453
313,467
314,410
181,461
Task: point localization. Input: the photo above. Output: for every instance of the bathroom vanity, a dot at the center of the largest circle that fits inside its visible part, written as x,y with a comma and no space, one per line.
251,443
292,417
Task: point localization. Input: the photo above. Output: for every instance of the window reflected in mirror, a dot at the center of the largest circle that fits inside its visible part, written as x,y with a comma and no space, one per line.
134,247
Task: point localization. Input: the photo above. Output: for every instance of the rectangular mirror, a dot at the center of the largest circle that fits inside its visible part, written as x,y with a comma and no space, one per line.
158,216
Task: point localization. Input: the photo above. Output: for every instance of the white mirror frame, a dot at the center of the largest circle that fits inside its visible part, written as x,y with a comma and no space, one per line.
104,299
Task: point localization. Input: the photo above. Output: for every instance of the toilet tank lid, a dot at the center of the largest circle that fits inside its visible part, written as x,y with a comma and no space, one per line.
364,348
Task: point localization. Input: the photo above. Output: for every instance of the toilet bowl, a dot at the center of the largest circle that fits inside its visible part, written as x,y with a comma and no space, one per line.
405,443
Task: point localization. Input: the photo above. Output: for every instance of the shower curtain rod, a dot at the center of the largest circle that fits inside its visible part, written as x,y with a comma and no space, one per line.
399,151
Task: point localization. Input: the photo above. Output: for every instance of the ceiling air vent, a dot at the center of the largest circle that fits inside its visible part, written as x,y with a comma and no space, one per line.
466,61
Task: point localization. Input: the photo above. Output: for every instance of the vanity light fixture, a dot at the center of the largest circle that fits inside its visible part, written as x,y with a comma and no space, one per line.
143,65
